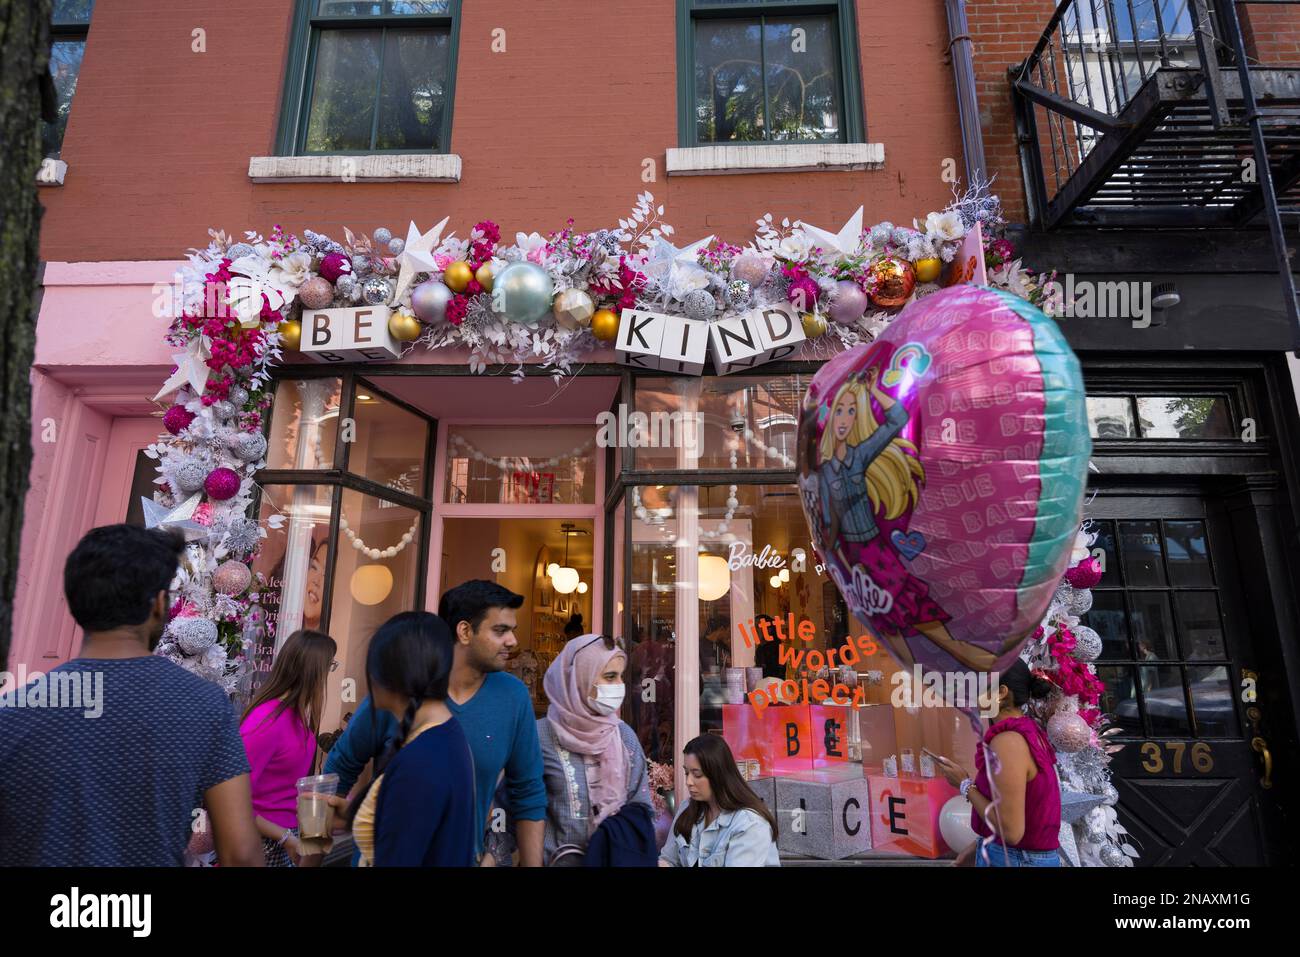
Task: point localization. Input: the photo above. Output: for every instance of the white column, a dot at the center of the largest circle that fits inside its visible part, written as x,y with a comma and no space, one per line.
686,706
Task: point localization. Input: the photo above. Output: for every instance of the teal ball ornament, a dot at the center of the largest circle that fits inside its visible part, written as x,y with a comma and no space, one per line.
522,292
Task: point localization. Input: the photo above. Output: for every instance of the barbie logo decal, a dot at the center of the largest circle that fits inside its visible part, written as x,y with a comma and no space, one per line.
862,592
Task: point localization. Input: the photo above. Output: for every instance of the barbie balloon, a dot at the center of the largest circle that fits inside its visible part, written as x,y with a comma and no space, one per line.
942,471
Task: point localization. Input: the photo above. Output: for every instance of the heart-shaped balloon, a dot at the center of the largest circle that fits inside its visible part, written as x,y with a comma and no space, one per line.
942,470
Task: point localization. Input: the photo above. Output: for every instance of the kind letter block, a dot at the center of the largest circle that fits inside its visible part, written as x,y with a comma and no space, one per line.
905,814
823,813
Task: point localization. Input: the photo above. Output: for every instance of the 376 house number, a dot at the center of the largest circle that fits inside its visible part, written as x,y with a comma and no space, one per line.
1158,756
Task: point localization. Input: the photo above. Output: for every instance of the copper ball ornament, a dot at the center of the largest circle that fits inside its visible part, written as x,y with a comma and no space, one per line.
1068,732
928,269
231,578
604,325
457,276
894,281
316,293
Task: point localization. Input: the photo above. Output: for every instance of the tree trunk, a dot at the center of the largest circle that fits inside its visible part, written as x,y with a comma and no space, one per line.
24,71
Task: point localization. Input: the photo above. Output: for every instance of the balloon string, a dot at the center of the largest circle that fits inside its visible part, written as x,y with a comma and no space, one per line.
993,766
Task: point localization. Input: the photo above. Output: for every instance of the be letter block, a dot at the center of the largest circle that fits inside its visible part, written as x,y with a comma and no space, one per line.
905,814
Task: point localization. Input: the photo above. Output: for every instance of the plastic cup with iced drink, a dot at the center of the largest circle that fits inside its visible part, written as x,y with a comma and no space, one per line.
315,812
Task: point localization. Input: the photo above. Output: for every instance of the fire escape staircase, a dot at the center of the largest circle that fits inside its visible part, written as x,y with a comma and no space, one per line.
1150,114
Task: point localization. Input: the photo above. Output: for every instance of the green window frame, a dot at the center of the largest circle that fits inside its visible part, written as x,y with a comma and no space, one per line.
844,12
300,69
69,30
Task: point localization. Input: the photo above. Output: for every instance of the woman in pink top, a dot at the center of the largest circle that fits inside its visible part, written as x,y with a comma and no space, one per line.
279,731
1021,829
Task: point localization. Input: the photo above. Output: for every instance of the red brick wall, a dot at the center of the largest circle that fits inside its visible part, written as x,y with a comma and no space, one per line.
159,137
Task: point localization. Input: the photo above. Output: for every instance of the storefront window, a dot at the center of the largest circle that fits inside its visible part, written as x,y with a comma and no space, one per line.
292,561
389,443
706,562
375,574
521,465
1159,417
304,424
733,422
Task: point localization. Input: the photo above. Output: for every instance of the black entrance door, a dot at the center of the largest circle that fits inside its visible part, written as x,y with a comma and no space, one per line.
1179,669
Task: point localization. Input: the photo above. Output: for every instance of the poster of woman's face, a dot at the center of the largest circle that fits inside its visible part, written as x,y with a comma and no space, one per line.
314,601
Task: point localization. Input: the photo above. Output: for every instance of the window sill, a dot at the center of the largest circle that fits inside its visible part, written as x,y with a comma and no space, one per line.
773,158
370,168
51,172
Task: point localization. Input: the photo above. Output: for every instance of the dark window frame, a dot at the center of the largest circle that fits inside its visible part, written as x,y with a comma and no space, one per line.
67,31
852,108
299,78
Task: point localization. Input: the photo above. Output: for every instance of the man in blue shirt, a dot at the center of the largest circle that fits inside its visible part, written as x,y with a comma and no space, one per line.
494,709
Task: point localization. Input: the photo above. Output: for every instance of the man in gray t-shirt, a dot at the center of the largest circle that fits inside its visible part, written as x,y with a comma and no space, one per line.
104,761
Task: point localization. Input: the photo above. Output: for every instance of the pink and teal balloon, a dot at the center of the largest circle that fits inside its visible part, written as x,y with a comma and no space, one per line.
942,472
848,302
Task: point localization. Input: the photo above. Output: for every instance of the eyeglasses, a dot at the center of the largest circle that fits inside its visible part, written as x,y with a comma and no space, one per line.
334,666
610,643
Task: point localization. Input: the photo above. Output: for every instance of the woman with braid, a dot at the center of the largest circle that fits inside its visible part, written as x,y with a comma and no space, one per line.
419,810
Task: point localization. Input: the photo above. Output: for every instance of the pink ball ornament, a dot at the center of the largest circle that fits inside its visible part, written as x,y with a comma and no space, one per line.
222,483
335,265
1086,574
1068,732
804,292
232,578
177,418
750,267
316,293
849,303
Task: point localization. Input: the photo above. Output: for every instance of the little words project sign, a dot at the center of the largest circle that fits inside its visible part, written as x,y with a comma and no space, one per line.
652,340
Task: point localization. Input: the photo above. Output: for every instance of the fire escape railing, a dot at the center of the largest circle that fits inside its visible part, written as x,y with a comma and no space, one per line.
1151,114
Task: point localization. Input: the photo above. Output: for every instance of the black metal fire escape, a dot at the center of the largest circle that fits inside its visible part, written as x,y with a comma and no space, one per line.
1155,116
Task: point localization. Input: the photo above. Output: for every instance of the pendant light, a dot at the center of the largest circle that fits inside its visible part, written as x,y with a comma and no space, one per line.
564,578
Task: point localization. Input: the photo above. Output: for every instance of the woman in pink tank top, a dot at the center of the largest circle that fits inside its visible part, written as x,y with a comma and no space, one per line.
1021,829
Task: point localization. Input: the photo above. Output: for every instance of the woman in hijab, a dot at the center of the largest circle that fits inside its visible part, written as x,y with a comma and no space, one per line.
592,762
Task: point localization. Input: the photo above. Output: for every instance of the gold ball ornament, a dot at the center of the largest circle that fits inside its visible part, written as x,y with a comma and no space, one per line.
928,269
483,275
404,327
894,281
457,276
604,325
813,325
290,334
573,309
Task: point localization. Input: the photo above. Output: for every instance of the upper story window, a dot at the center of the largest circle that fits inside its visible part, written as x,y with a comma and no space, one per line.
69,26
768,72
366,76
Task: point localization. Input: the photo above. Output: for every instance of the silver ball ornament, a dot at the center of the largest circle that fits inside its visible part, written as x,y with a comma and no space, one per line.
239,251
1112,856
193,635
1110,796
523,292
382,236
242,536
238,396
1087,643
376,290
224,409
361,265
429,301
395,246
699,304
249,446
190,476
345,284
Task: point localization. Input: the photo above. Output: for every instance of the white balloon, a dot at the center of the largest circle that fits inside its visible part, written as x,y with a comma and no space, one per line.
954,823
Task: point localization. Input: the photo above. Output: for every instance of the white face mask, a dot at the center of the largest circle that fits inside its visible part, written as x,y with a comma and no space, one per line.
609,698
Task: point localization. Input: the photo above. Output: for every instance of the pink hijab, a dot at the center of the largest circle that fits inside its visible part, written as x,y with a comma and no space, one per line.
579,728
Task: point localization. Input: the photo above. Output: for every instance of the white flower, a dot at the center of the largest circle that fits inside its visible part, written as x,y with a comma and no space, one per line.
293,270
796,246
945,226
685,278
530,241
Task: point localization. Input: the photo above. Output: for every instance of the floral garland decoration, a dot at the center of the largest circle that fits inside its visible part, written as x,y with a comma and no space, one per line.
1062,651
240,310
